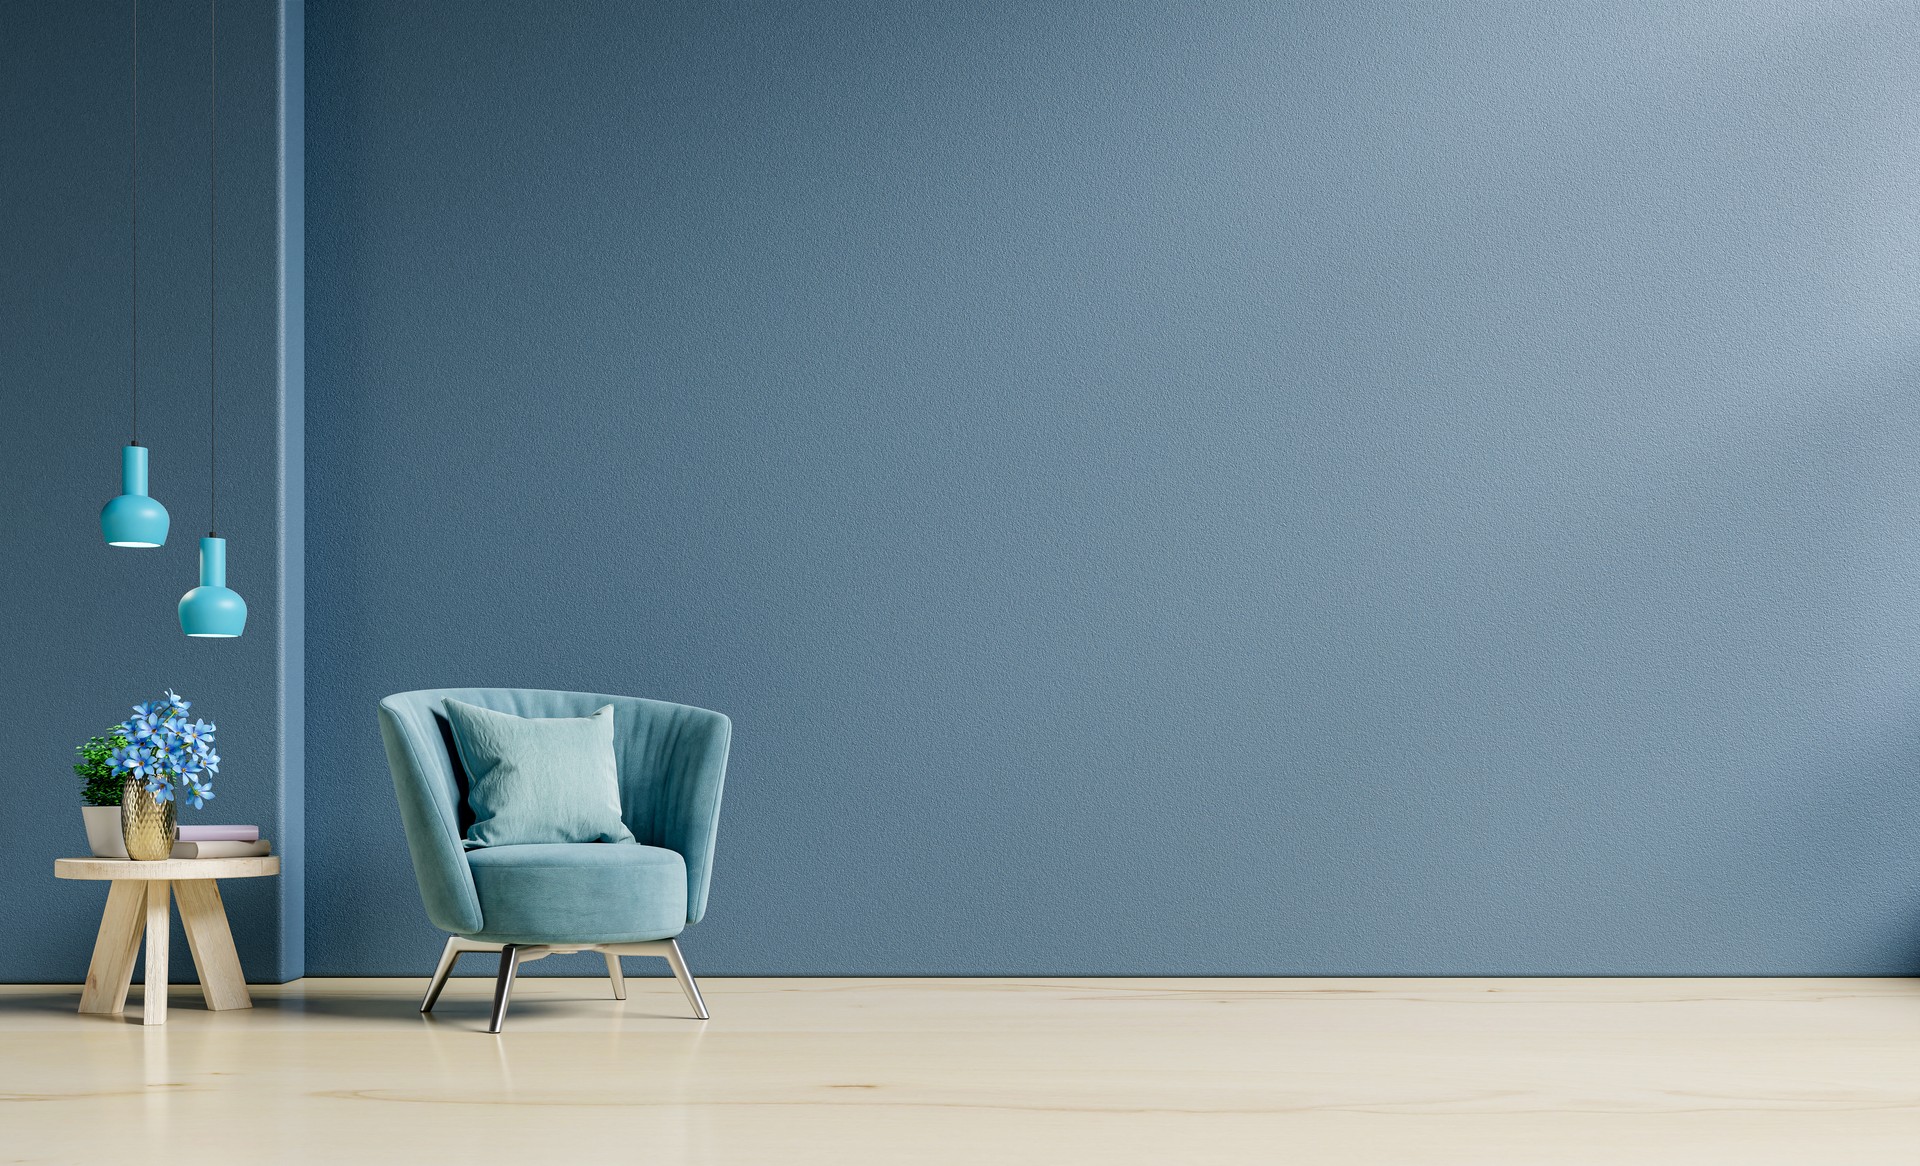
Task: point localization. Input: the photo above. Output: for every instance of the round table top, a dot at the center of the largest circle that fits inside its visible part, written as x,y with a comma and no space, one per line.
181,869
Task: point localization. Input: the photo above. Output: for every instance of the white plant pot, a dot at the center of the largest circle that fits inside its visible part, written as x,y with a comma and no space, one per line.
103,831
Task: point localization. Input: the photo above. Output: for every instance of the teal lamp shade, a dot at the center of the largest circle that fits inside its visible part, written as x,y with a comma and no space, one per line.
133,519
211,610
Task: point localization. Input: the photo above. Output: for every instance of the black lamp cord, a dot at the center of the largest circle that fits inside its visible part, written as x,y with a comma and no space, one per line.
136,222
213,160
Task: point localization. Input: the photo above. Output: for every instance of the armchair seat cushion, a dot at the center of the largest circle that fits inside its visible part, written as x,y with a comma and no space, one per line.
579,892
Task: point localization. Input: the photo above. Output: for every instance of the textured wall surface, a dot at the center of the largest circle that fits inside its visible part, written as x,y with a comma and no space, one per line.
1187,488
92,629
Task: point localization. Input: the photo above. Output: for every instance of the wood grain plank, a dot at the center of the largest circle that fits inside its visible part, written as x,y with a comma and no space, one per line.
157,943
110,973
166,868
204,918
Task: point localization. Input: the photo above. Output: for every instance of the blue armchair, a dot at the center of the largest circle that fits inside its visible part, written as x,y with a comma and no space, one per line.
528,902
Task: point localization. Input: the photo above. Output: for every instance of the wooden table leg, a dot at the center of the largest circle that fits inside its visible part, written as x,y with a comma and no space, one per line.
211,941
114,948
158,934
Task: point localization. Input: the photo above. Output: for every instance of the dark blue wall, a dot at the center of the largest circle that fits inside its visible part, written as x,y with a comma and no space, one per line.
1187,488
92,629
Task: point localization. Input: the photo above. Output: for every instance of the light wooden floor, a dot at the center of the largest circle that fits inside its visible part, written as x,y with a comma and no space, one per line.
1168,1072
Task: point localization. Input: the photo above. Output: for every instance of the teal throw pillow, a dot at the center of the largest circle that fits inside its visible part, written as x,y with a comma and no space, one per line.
538,779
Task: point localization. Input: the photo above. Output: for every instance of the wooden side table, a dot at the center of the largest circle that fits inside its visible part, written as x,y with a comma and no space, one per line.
137,902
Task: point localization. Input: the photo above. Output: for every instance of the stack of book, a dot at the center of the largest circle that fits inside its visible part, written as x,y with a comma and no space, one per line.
220,842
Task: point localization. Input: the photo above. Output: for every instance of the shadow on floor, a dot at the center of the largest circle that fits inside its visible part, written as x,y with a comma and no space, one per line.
455,1007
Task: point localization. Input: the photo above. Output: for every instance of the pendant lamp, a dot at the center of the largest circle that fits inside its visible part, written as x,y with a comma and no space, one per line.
134,519
212,610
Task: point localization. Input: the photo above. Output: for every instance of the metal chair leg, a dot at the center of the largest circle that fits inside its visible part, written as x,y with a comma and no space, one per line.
448,957
685,977
509,964
617,976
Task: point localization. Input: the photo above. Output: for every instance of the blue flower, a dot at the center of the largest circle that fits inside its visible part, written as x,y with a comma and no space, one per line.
196,736
128,760
165,750
140,727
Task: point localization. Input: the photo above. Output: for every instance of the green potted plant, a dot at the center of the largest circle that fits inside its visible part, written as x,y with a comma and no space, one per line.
100,789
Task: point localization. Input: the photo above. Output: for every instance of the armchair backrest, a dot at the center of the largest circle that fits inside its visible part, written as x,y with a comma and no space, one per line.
672,761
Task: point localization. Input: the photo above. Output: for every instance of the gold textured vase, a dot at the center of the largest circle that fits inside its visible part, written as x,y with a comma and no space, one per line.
146,823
